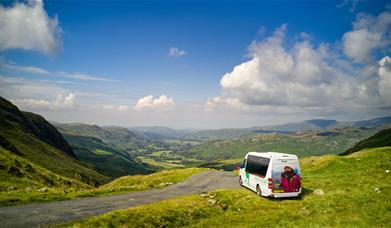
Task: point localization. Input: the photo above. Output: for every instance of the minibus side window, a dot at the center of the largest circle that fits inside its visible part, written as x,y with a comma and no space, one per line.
257,165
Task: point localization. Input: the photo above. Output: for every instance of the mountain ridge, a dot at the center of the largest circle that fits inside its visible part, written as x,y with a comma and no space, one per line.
29,137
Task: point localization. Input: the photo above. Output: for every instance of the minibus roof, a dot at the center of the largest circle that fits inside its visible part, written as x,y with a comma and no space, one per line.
272,155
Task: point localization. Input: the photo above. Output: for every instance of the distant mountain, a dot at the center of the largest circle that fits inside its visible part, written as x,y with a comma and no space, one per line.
229,133
317,125
312,143
118,137
324,124
307,125
373,122
380,139
29,138
157,133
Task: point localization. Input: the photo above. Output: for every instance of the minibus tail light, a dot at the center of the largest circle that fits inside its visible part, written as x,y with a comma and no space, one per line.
270,183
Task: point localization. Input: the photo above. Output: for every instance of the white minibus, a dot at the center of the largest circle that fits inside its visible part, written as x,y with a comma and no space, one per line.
271,174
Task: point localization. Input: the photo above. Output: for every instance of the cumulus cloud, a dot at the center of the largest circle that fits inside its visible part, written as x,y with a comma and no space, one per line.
28,26
60,103
369,34
304,78
148,103
176,52
385,79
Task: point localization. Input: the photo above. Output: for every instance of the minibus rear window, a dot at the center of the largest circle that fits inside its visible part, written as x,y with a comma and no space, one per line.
257,165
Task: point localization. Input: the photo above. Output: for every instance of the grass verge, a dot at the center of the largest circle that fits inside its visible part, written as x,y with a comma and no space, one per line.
120,185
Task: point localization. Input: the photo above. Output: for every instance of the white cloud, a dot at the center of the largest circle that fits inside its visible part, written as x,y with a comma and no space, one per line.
162,103
60,103
28,26
62,74
81,76
120,108
368,35
385,79
26,69
176,52
19,88
302,78
349,3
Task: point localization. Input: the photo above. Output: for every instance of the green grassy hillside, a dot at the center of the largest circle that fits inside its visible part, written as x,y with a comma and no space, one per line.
143,182
105,158
31,137
21,180
118,137
380,139
302,144
357,193
35,125
107,149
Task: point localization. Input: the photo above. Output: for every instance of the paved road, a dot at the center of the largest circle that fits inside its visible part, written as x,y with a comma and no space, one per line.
40,214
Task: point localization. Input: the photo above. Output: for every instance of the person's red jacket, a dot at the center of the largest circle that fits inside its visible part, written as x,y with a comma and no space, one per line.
290,185
285,184
295,183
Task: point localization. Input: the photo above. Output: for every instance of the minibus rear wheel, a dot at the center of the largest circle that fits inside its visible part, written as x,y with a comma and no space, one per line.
259,192
240,181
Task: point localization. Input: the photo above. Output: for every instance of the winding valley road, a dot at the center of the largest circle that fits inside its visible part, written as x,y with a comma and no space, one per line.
41,214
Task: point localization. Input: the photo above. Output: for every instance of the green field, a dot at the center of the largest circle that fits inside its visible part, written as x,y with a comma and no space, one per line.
102,152
159,164
357,193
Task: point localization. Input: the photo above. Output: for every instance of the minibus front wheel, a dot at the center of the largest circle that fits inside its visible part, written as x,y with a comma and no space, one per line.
259,191
240,181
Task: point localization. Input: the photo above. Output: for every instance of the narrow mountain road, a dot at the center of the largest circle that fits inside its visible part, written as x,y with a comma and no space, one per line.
40,214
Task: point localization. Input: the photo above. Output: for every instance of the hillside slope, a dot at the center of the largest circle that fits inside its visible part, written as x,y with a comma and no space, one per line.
10,117
108,149
31,137
21,180
380,139
118,137
103,157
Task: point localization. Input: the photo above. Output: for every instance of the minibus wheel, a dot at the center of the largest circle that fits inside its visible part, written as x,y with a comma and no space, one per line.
259,192
240,181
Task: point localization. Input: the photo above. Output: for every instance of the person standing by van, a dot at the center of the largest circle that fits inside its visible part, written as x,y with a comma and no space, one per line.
290,181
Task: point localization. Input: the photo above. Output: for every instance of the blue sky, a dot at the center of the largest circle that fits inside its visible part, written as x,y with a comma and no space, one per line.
123,47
